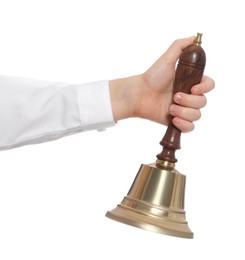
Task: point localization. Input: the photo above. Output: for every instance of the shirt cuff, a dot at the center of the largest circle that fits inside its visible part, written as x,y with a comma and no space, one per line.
95,106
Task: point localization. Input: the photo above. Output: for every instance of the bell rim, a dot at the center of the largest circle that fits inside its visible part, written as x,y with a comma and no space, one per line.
162,226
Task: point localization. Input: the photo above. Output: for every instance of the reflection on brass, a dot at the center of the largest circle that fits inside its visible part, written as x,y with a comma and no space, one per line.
155,202
198,39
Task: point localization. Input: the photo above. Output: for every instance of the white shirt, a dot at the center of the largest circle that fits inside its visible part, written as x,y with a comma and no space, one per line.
34,111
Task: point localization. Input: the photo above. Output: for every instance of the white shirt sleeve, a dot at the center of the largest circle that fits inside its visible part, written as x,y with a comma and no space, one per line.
34,111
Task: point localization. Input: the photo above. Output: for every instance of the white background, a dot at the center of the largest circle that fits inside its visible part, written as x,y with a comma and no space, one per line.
53,196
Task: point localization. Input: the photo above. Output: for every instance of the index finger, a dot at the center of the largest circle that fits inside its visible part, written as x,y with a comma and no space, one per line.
205,86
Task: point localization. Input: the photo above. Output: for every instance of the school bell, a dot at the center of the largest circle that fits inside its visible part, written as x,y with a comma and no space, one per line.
155,201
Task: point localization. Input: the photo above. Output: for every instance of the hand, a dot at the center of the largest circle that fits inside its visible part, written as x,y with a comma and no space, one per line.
149,95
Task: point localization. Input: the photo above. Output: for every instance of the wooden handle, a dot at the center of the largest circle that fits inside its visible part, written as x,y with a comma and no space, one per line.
189,72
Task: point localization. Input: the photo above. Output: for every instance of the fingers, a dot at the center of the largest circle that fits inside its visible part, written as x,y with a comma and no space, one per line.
187,107
183,125
206,85
185,113
189,100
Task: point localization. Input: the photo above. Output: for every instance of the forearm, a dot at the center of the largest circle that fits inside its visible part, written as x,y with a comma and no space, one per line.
34,111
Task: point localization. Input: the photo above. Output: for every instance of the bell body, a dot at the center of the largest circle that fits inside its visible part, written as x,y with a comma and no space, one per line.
155,202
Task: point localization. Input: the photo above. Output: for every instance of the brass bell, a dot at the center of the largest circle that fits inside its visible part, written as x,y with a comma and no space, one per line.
155,201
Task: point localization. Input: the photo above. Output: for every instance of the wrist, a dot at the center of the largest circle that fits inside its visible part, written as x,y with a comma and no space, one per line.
124,93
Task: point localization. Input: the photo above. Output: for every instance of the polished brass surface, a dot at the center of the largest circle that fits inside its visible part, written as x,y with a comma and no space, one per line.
155,202
198,39
165,164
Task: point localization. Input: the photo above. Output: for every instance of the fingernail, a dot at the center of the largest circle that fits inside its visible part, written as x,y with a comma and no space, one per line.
176,121
177,98
172,109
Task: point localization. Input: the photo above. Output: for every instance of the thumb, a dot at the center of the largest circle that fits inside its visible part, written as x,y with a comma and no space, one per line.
176,48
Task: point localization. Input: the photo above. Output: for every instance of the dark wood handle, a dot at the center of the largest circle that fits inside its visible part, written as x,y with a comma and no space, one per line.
188,73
